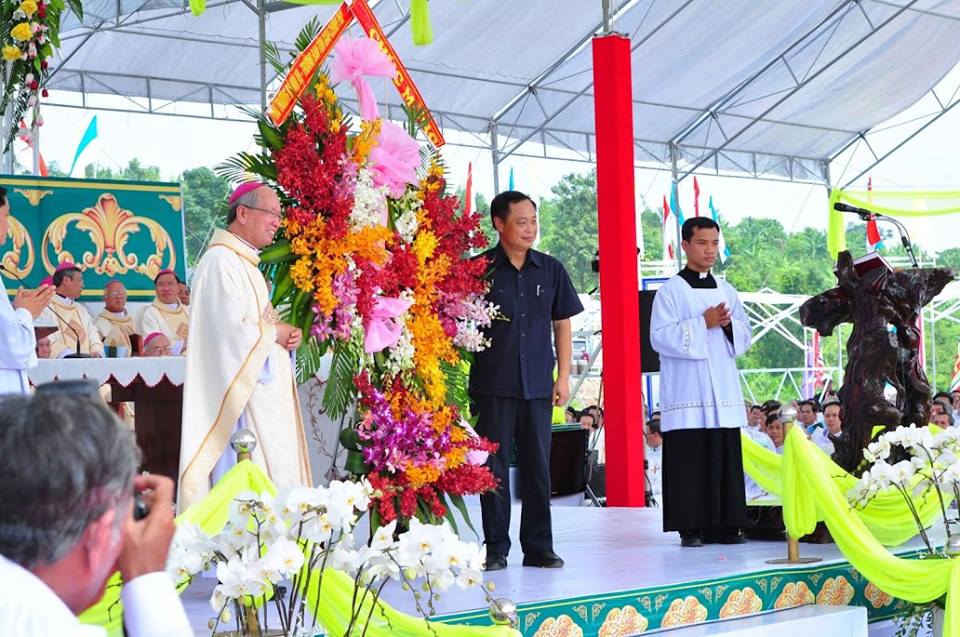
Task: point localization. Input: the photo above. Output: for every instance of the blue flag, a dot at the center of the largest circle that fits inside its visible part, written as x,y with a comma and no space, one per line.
675,203
88,137
715,214
510,183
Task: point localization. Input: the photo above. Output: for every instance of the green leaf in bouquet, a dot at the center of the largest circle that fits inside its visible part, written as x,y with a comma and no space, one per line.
340,391
461,506
355,465
277,252
458,384
282,284
269,136
77,7
448,516
308,358
350,439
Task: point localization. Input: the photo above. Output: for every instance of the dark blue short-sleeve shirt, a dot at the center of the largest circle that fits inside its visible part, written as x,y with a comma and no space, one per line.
519,362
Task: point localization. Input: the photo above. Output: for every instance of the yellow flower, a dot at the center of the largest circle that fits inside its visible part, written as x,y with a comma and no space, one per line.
22,32
11,53
29,7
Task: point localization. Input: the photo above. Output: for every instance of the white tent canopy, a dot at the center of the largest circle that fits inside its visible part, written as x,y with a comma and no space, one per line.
774,88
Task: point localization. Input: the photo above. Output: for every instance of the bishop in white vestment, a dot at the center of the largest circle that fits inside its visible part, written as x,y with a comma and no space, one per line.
166,314
239,367
114,323
76,332
698,326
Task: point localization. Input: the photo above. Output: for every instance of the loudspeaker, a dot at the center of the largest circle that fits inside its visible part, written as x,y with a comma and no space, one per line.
649,358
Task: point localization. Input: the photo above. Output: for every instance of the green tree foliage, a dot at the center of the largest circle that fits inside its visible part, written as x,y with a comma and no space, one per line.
204,199
134,171
568,227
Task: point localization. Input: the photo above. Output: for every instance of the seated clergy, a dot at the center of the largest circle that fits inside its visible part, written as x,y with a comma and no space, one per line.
183,293
157,344
832,418
114,323
167,314
74,323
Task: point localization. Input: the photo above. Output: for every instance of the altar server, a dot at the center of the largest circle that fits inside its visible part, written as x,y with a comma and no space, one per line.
699,328
239,368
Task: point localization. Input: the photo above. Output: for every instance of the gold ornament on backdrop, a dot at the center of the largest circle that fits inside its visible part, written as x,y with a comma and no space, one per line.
22,246
109,227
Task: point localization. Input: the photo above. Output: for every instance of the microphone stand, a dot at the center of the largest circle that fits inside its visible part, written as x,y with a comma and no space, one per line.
901,229
78,353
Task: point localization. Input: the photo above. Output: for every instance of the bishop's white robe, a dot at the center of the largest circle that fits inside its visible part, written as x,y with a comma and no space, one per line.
115,329
18,346
235,368
172,320
699,382
73,322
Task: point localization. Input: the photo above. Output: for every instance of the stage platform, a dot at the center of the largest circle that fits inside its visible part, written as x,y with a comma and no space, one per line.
623,576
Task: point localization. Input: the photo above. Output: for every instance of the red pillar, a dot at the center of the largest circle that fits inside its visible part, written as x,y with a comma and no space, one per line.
623,406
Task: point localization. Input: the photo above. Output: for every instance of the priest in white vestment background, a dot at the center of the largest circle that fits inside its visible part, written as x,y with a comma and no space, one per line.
698,326
17,339
239,365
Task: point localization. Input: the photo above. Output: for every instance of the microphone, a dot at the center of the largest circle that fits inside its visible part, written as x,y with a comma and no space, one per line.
78,353
863,212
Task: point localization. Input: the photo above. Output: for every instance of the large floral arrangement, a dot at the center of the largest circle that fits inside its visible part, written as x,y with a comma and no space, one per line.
271,557
29,32
373,263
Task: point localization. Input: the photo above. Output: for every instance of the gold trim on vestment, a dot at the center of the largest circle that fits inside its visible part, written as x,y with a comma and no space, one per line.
222,428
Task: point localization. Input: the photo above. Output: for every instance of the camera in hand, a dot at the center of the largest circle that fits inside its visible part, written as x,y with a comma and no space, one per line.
140,508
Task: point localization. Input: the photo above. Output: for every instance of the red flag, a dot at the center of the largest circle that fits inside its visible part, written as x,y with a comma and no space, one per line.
666,209
696,197
468,192
869,183
873,233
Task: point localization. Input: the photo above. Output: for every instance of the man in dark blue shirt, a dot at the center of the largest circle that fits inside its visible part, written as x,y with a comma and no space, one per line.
511,382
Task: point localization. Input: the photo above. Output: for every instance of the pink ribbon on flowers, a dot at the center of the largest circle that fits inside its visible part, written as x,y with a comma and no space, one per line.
355,58
394,159
476,457
382,328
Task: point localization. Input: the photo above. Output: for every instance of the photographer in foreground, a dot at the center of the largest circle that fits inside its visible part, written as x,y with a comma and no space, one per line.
67,484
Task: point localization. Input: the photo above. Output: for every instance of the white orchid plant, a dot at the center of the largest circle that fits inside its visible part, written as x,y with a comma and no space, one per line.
274,551
927,460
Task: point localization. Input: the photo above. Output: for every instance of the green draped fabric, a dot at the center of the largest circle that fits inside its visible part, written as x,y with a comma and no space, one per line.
906,203
812,494
211,514
886,516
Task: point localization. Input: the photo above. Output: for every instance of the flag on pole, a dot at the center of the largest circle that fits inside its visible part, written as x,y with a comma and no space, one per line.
696,197
669,252
955,380
874,239
715,215
675,203
510,183
468,191
88,136
813,372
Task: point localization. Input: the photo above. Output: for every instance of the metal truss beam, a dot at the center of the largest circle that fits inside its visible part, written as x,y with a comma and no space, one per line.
807,79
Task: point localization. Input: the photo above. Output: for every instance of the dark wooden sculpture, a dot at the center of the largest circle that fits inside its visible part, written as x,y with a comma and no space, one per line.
877,356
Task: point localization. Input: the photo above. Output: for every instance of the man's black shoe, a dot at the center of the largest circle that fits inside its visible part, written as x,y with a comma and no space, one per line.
495,563
547,559
691,538
725,536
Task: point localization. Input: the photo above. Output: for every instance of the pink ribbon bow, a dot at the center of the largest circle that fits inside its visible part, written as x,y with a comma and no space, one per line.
382,328
355,59
395,159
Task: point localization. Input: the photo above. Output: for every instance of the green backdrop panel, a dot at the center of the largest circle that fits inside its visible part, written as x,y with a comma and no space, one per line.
111,229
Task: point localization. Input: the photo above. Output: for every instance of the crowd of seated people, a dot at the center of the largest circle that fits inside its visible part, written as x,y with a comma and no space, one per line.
115,332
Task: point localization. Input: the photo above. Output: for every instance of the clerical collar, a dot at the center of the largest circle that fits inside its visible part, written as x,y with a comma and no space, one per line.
698,280
245,242
64,300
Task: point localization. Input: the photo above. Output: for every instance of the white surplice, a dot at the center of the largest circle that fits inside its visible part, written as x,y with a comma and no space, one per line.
236,369
699,382
115,330
18,346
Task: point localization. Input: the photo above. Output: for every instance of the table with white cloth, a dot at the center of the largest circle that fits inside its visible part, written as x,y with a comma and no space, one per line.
155,387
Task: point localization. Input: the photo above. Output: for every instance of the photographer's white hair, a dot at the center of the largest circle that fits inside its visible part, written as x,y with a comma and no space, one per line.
64,461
